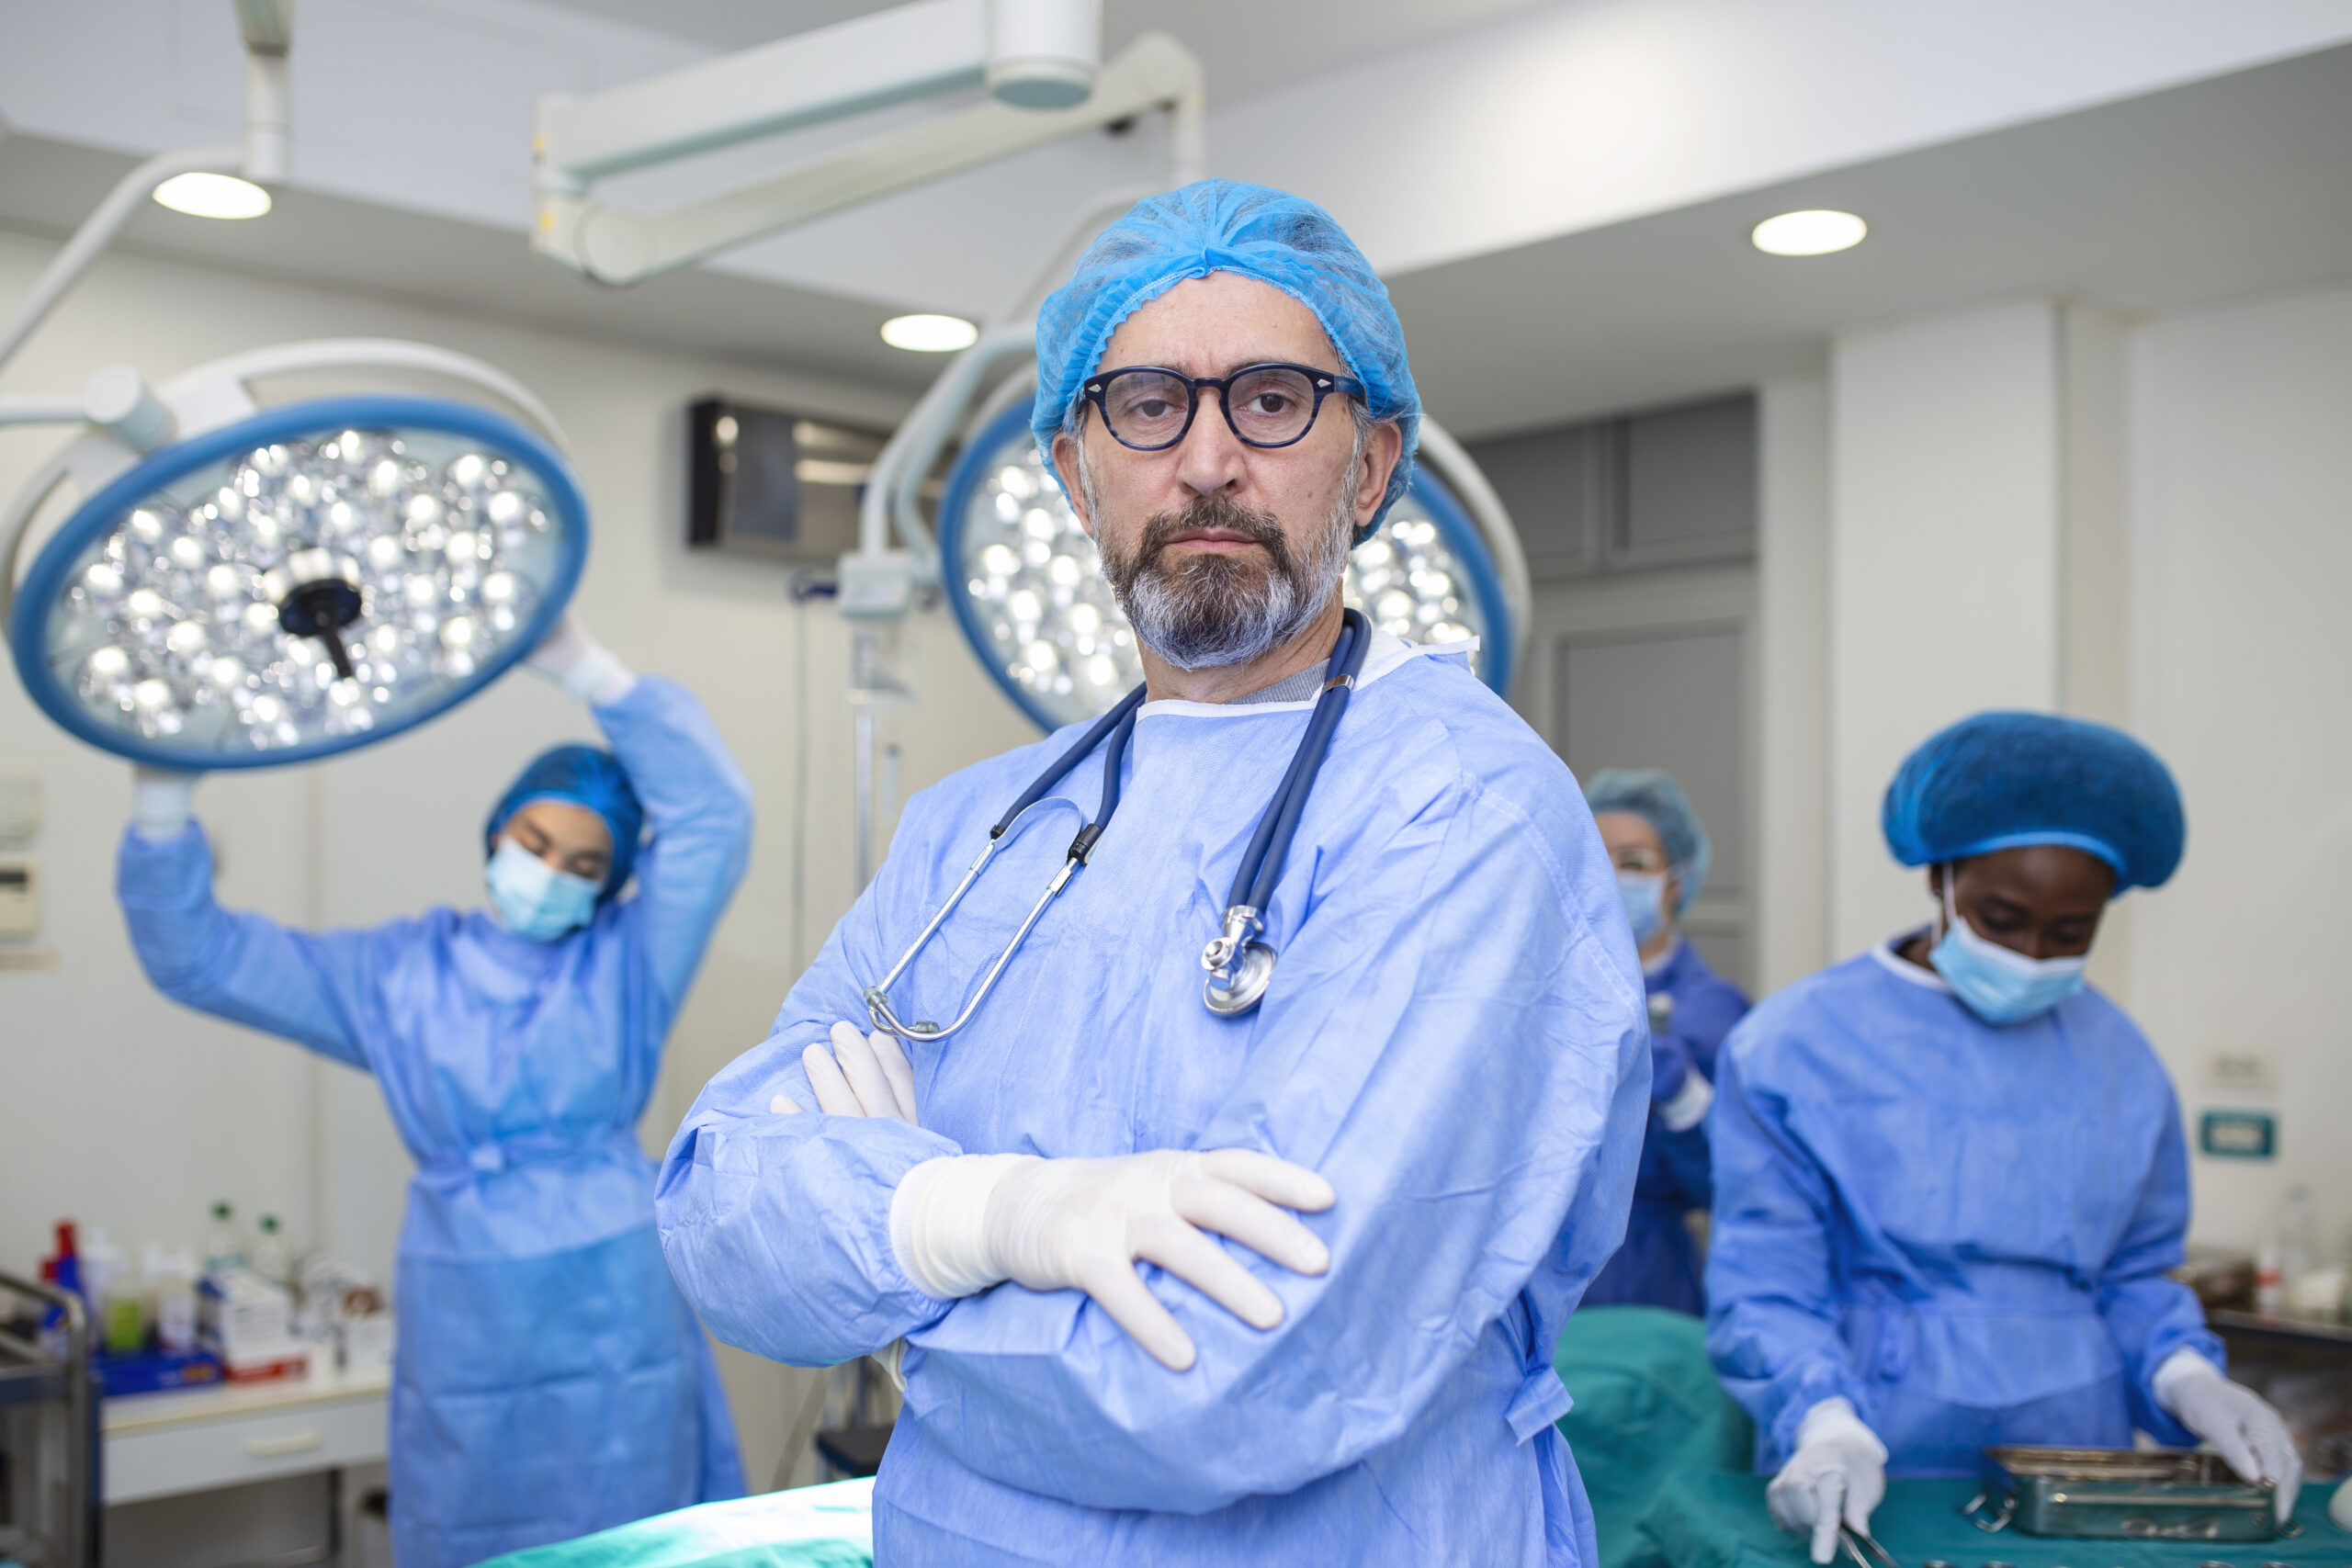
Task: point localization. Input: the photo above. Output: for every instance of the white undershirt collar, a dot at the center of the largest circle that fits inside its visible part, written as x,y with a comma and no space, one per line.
1387,653
1903,968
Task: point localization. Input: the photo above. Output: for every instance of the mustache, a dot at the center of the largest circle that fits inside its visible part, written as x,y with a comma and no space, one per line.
1212,512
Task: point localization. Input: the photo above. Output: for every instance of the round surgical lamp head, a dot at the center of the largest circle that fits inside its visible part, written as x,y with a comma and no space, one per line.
300,582
1028,589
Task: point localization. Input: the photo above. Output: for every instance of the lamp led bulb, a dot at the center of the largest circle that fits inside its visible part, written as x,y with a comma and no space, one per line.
213,195
1818,232
930,335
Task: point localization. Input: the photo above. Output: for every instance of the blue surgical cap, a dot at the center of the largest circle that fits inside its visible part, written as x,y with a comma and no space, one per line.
1251,232
2002,780
1652,795
580,775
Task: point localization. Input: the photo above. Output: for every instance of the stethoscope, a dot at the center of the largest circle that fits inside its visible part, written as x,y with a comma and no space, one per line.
1240,966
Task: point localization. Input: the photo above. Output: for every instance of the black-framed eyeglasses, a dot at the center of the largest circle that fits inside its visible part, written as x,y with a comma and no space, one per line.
1150,408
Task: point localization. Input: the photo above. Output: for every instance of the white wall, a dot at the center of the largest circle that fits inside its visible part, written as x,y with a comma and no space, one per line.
2242,559
1790,665
1944,530
121,1109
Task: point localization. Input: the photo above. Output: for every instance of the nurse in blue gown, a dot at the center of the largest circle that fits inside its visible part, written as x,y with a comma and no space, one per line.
548,1379
1950,1176
1362,1211
1661,854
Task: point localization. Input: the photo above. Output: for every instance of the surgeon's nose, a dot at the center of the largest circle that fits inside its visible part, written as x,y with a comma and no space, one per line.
1211,457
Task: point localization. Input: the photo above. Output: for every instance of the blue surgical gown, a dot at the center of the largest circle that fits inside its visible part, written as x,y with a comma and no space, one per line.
1659,1265
548,1379
1962,1229
1455,1038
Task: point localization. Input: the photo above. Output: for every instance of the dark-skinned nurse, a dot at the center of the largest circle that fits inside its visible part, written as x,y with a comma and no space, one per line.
1950,1176
548,1380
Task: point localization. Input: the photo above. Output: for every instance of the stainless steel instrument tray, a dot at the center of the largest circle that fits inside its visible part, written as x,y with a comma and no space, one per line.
2124,1494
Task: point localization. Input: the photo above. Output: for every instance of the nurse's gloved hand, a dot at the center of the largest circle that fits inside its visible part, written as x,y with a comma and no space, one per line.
859,1077
1838,1475
962,1224
580,664
2250,1436
160,802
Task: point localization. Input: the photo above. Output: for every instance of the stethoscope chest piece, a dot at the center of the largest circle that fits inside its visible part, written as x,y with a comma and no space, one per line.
1239,968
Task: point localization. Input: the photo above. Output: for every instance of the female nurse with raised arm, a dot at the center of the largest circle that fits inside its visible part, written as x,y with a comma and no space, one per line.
1950,1176
548,1379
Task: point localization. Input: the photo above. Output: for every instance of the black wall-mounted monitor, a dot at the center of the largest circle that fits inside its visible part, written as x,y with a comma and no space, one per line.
774,483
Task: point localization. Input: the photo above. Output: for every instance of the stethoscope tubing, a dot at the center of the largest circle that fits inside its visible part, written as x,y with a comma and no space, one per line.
1261,862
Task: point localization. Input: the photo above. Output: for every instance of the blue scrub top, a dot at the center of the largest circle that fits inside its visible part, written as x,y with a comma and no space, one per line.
1964,1229
1455,1038
548,1380
1659,1265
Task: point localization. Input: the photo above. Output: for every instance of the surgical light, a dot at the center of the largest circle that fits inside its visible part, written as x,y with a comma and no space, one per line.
1028,587
203,195
930,335
300,582
1814,232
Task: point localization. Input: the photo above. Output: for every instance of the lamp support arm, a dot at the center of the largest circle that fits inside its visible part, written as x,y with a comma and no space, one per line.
1155,72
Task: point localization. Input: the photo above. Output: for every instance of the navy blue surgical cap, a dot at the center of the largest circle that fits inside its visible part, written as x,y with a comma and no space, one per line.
1224,226
2002,780
1652,795
580,775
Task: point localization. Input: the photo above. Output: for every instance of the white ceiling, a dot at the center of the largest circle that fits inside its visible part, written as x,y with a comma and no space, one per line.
1248,46
2228,187
2231,186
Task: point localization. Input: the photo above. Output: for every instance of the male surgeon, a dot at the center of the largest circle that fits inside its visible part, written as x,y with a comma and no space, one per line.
1165,1286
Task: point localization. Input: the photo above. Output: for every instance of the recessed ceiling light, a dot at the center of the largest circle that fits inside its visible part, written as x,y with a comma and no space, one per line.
1812,233
930,335
213,195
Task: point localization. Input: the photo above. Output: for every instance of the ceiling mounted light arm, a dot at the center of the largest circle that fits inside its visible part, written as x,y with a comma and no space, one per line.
266,26
1461,474
912,52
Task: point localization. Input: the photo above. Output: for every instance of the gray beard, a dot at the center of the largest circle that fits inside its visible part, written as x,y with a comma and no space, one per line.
1210,611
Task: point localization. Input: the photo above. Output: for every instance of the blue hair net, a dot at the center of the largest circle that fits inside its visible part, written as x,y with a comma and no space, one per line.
582,776
1652,795
2001,780
1224,226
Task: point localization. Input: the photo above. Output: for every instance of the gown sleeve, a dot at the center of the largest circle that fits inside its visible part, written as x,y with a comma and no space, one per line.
1771,1286
777,1226
2150,1315
1390,1029
312,988
1701,1018
698,805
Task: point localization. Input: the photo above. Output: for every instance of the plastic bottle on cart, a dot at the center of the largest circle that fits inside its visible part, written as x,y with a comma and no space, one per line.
118,1319
272,1259
224,1244
171,1279
2269,1278
2295,1248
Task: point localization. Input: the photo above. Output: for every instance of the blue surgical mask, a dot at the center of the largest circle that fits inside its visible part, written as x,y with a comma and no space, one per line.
532,897
1645,897
1995,984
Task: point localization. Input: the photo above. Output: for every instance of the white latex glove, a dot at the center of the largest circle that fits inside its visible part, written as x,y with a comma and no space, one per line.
960,1225
1838,1474
2236,1422
859,1077
161,801
580,664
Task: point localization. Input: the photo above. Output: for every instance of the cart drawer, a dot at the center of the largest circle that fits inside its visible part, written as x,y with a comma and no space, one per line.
257,1445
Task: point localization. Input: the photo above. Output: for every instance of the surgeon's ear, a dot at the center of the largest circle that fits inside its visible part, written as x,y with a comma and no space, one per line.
1066,465
1380,455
